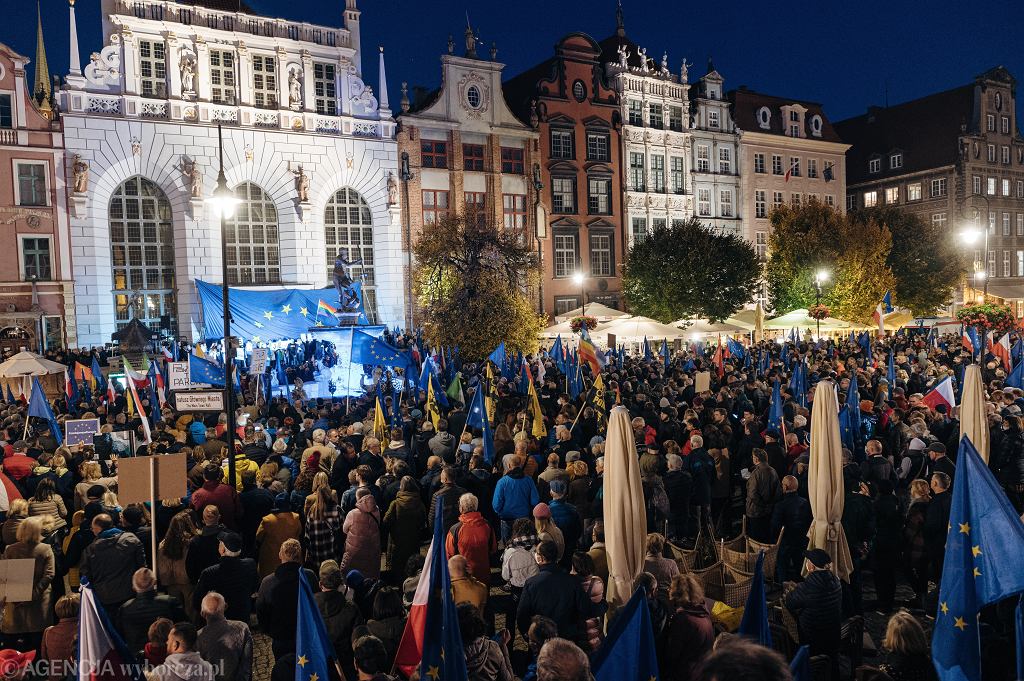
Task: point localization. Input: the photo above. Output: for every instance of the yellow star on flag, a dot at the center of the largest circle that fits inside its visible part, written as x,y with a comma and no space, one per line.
977,572
944,608
286,309
434,673
960,624
258,325
256,339
313,677
965,528
976,551
268,314
304,311
301,661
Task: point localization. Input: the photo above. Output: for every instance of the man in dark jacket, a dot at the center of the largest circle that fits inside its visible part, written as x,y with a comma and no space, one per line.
701,467
876,467
886,553
567,518
554,593
940,463
859,527
817,603
776,453
792,517
763,490
233,577
137,614
936,524
341,616
203,549
450,492
678,488
277,598
110,562
256,503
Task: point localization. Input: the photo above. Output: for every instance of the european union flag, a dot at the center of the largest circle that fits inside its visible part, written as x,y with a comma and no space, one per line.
1017,351
313,648
558,354
39,407
890,374
887,301
498,357
665,354
1016,377
798,383
204,371
369,350
775,408
647,350
10,396
477,418
736,348
443,657
983,564
800,667
73,399
97,376
628,652
865,345
430,370
853,400
755,613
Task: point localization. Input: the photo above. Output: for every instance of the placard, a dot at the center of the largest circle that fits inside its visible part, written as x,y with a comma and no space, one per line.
180,378
611,341
80,431
702,381
212,400
133,478
17,576
258,361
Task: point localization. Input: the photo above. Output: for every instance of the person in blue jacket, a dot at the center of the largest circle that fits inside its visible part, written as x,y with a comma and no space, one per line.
515,495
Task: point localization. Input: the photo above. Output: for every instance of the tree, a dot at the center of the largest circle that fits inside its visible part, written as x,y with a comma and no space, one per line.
924,258
689,270
808,238
470,281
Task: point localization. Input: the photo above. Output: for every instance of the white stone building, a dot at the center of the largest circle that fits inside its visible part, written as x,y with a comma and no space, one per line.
716,176
308,146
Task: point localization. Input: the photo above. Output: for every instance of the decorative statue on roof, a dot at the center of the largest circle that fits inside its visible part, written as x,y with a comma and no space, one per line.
623,56
642,53
684,71
664,72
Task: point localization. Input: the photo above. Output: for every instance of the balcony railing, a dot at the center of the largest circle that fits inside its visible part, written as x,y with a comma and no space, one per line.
8,136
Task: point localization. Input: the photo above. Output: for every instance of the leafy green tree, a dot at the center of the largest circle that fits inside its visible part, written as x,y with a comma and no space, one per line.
690,270
470,282
924,258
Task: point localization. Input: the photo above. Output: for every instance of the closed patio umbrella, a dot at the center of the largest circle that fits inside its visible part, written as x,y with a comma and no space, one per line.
973,414
625,521
825,481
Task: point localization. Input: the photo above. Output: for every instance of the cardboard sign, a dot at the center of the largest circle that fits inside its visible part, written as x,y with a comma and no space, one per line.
702,381
611,341
17,575
258,361
133,478
199,401
80,431
180,378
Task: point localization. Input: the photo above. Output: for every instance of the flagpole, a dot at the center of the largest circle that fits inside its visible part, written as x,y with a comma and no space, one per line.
152,498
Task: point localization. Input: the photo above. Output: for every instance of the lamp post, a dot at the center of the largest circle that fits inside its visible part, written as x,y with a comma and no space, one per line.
405,174
579,279
538,187
224,201
970,236
820,277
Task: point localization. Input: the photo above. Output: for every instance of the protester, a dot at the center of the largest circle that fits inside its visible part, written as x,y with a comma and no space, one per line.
137,614
690,632
226,644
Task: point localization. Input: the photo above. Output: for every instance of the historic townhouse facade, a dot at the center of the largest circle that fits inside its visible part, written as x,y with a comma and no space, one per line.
462,150
956,158
37,305
308,149
716,166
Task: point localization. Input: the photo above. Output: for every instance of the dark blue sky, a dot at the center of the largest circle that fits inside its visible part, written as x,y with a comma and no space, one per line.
842,54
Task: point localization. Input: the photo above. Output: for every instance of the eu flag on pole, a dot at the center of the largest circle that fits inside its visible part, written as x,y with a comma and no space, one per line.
775,408
10,396
498,357
369,350
1016,377
204,371
647,350
443,658
755,614
853,400
983,564
558,354
313,648
477,418
665,354
890,373
39,407
97,376
628,653
798,383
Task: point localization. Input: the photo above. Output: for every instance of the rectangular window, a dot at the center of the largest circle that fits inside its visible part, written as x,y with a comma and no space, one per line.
759,163
830,200
1005,185
472,157
991,222
1020,224
325,88
563,194
600,255
976,184
475,209
914,191
939,187
874,165
514,212
896,160
892,195
794,129
777,199
6,113
776,164
870,199
564,305
656,116
657,173
1020,189
31,183
1006,125
264,81
703,158
1006,224
991,263
812,167
639,229
636,113
724,160
704,202
990,186
990,122
725,203
435,205
760,204
636,171
599,196
676,169
991,153
597,146
851,201
675,118
35,258
512,160
794,199
939,219
713,119
433,154
794,166
153,68
562,144
1020,263
222,76
658,223
761,243
1005,153
565,255
1006,264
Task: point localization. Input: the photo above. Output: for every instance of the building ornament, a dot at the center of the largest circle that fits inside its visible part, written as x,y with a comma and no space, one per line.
80,174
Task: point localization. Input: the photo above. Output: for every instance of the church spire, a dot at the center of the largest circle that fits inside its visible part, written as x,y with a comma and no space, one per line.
41,88
620,24
382,83
75,61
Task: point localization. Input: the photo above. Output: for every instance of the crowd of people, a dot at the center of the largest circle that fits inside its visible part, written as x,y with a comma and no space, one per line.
319,491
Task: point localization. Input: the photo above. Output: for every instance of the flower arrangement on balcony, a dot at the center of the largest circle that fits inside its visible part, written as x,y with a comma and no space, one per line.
988,317
818,312
577,323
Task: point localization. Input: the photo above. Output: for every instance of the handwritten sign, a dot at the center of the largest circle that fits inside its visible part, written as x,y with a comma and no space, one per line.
258,361
80,431
180,378
211,400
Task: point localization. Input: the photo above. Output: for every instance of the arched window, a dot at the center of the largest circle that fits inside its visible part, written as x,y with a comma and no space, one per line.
252,236
348,230
142,254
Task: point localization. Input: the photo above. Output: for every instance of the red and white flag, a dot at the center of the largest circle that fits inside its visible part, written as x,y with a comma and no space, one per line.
941,394
102,654
966,342
1001,349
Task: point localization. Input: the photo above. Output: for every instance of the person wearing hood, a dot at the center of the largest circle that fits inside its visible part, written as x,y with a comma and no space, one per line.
486,658
515,495
110,562
404,522
243,465
473,538
362,536
183,662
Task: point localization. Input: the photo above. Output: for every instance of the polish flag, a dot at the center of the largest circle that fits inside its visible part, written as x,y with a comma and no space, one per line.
1002,350
965,340
941,394
102,654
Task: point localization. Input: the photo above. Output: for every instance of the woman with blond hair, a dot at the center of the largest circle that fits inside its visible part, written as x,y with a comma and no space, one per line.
690,632
16,513
92,474
27,620
323,521
907,656
546,528
320,481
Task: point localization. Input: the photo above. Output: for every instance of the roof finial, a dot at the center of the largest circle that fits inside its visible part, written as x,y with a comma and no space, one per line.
382,83
41,89
470,39
405,104
494,51
75,61
620,24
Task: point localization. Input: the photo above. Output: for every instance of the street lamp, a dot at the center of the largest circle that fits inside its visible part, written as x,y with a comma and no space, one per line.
580,280
223,201
971,236
820,277
405,174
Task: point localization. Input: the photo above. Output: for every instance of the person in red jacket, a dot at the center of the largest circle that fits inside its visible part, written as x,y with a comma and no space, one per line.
19,465
473,538
219,494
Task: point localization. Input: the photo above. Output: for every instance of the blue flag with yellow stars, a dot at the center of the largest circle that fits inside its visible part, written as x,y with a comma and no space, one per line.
39,407
775,408
374,351
477,418
628,653
443,657
204,371
313,648
984,563
755,614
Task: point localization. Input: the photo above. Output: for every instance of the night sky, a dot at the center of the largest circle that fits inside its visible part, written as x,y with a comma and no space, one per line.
845,55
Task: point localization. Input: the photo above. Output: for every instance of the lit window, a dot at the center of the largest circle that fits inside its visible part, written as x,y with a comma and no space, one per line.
1005,185
348,233
991,186
252,238
601,255
264,81
914,191
870,199
565,255
892,195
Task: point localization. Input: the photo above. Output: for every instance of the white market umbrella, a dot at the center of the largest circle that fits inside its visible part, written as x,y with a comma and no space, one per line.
800,319
601,312
825,481
640,328
973,414
625,520
29,364
703,327
565,329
